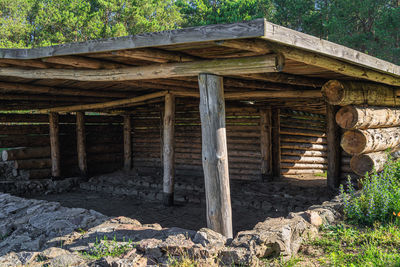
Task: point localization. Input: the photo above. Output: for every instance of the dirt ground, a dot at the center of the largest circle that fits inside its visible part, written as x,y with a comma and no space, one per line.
193,215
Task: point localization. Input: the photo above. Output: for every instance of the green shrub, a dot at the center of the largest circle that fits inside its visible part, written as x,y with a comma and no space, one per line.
379,198
105,247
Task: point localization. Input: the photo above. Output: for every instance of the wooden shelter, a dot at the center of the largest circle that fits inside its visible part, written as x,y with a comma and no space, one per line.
188,101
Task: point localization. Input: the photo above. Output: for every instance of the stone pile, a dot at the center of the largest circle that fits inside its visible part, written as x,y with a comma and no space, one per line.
40,233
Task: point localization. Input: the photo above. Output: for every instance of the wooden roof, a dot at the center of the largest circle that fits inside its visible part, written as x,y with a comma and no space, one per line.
66,74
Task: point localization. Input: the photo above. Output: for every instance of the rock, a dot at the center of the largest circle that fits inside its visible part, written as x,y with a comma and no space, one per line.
274,237
150,247
327,215
209,238
154,226
237,256
10,260
54,252
176,245
314,218
66,260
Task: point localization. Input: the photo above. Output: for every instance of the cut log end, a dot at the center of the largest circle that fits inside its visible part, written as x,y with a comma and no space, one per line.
333,92
347,117
353,142
361,164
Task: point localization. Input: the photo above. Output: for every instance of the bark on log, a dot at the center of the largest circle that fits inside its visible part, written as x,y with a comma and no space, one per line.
361,164
26,153
300,171
169,150
215,156
357,142
353,117
355,93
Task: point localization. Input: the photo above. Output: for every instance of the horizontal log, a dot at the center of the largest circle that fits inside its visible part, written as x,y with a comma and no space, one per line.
361,164
105,105
34,174
318,147
286,165
356,93
24,129
354,117
303,132
30,118
370,140
26,153
27,164
300,171
303,139
24,141
303,159
267,63
307,153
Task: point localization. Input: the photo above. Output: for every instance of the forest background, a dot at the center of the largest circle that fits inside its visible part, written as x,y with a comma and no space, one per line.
370,26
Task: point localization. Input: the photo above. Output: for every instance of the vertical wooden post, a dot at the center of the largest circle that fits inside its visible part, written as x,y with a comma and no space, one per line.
276,143
81,143
169,150
333,140
215,154
266,143
127,143
54,145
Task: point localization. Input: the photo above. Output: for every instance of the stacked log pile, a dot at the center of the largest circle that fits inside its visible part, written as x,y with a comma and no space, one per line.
26,140
369,131
303,143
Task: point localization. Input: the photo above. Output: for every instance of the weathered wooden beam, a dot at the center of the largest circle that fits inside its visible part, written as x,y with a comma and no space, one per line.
32,63
258,94
82,62
154,55
105,105
31,98
215,155
266,143
268,63
356,117
54,145
355,93
81,143
276,143
286,79
296,52
33,89
169,150
26,153
127,143
333,142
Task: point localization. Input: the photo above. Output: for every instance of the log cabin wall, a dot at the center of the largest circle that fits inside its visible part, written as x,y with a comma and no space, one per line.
27,138
303,143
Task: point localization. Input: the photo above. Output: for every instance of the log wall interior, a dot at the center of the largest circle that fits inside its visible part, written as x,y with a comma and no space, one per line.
103,143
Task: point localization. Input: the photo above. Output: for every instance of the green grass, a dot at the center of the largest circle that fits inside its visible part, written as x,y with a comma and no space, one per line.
349,245
105,247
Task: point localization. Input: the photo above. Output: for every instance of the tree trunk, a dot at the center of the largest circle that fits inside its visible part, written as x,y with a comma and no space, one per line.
356,93
353,117
357,142
215,156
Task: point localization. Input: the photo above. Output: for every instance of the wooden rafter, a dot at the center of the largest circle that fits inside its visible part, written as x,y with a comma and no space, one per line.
234,66
106,105
83,62
154,55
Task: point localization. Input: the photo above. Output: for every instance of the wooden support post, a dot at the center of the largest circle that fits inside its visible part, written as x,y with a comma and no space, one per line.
333,142
127,143
266,143
276,143
215,154
54,145
81,143
169,150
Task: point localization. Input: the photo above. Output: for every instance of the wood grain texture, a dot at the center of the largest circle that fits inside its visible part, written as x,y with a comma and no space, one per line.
127,142
333,141
169,150
245,65
215,154
266,142
54,145
276,143
81,143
